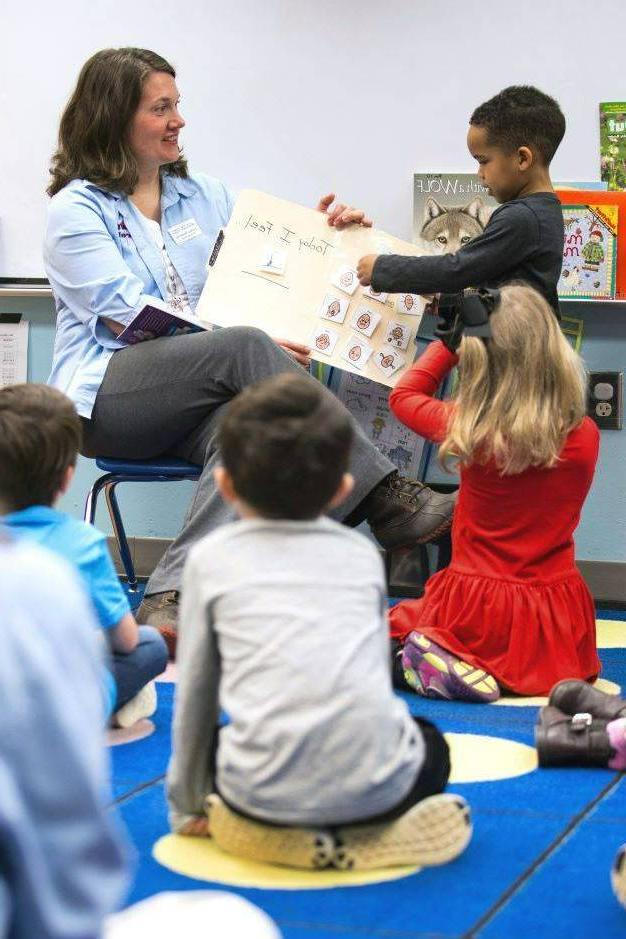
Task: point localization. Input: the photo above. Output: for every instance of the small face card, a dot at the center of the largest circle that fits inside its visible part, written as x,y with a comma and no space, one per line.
334,308
365,321
375,295
408,303
388,360
273,261
398,334
356,352
346,279
324,340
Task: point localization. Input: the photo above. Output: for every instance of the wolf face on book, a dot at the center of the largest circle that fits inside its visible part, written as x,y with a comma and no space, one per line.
128,223
449,211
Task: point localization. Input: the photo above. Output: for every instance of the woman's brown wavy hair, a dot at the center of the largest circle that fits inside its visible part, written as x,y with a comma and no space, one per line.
94,128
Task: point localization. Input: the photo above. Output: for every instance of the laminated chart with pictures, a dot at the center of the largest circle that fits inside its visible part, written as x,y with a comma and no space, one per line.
281,267
589,252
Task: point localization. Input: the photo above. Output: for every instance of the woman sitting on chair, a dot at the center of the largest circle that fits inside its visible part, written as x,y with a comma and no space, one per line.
128,223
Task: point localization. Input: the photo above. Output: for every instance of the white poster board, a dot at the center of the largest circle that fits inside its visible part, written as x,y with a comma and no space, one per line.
281,267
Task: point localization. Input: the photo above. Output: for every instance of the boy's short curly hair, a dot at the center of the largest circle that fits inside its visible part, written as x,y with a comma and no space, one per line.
40,436
522,116
286,444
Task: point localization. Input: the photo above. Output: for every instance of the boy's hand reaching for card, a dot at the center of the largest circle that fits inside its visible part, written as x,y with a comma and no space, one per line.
365,268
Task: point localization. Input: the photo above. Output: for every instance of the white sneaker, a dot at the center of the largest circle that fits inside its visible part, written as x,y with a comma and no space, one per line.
433,832
142,705
306,848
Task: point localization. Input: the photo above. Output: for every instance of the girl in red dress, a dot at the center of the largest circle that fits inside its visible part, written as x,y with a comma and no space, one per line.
511,611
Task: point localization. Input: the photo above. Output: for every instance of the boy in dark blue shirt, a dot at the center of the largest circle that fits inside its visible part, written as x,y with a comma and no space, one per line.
513,137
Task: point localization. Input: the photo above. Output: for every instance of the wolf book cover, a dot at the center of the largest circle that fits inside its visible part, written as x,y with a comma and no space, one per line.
613,143
449,210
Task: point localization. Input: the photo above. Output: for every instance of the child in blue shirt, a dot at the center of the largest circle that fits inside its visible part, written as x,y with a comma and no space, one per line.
40,435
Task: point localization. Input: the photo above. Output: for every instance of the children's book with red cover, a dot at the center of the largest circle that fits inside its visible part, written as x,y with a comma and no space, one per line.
594,197
589,252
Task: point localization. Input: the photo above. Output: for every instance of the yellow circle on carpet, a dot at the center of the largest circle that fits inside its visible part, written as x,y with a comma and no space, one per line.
201,859
610,634
515,701
479,758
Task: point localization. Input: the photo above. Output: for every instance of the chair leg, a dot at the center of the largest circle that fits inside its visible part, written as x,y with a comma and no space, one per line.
92,498
120,533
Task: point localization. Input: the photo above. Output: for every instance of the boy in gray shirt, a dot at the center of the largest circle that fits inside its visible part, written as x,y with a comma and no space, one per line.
283,625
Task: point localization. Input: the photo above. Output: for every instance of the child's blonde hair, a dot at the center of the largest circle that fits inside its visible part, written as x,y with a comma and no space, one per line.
520,393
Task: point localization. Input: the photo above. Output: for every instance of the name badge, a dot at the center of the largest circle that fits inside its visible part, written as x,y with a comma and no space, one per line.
185,231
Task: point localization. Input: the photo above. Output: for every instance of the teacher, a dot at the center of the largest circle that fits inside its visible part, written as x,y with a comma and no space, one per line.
127,222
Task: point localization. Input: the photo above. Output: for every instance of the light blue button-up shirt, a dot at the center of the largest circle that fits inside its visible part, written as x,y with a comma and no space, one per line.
101,261
63,859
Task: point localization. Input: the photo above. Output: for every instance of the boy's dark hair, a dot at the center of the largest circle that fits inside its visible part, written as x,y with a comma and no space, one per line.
286,444
522,116
40,436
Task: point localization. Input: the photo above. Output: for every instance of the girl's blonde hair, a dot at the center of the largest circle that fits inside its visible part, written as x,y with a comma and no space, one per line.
519,393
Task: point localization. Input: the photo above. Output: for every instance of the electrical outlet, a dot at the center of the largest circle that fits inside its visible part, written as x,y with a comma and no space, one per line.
604,399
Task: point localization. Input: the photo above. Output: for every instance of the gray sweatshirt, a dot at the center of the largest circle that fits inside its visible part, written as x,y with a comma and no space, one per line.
283,625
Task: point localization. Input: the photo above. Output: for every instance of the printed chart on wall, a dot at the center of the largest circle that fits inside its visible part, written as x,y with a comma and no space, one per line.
589,252
368,402
13,351
282,268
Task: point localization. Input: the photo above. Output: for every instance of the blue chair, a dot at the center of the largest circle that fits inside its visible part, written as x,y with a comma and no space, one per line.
161,469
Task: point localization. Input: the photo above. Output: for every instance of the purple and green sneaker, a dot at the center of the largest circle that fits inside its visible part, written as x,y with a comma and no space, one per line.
433,672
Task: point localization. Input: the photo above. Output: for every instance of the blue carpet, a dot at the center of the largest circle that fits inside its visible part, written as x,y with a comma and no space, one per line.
537,866
135,764
570,894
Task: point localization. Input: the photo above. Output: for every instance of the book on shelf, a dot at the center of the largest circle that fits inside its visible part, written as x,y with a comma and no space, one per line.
589,252
600,201
449,210
613,144
155,320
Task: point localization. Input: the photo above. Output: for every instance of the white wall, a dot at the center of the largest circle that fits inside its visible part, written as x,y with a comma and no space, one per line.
300,97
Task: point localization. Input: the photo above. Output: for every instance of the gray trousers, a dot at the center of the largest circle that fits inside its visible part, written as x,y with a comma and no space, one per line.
167,396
